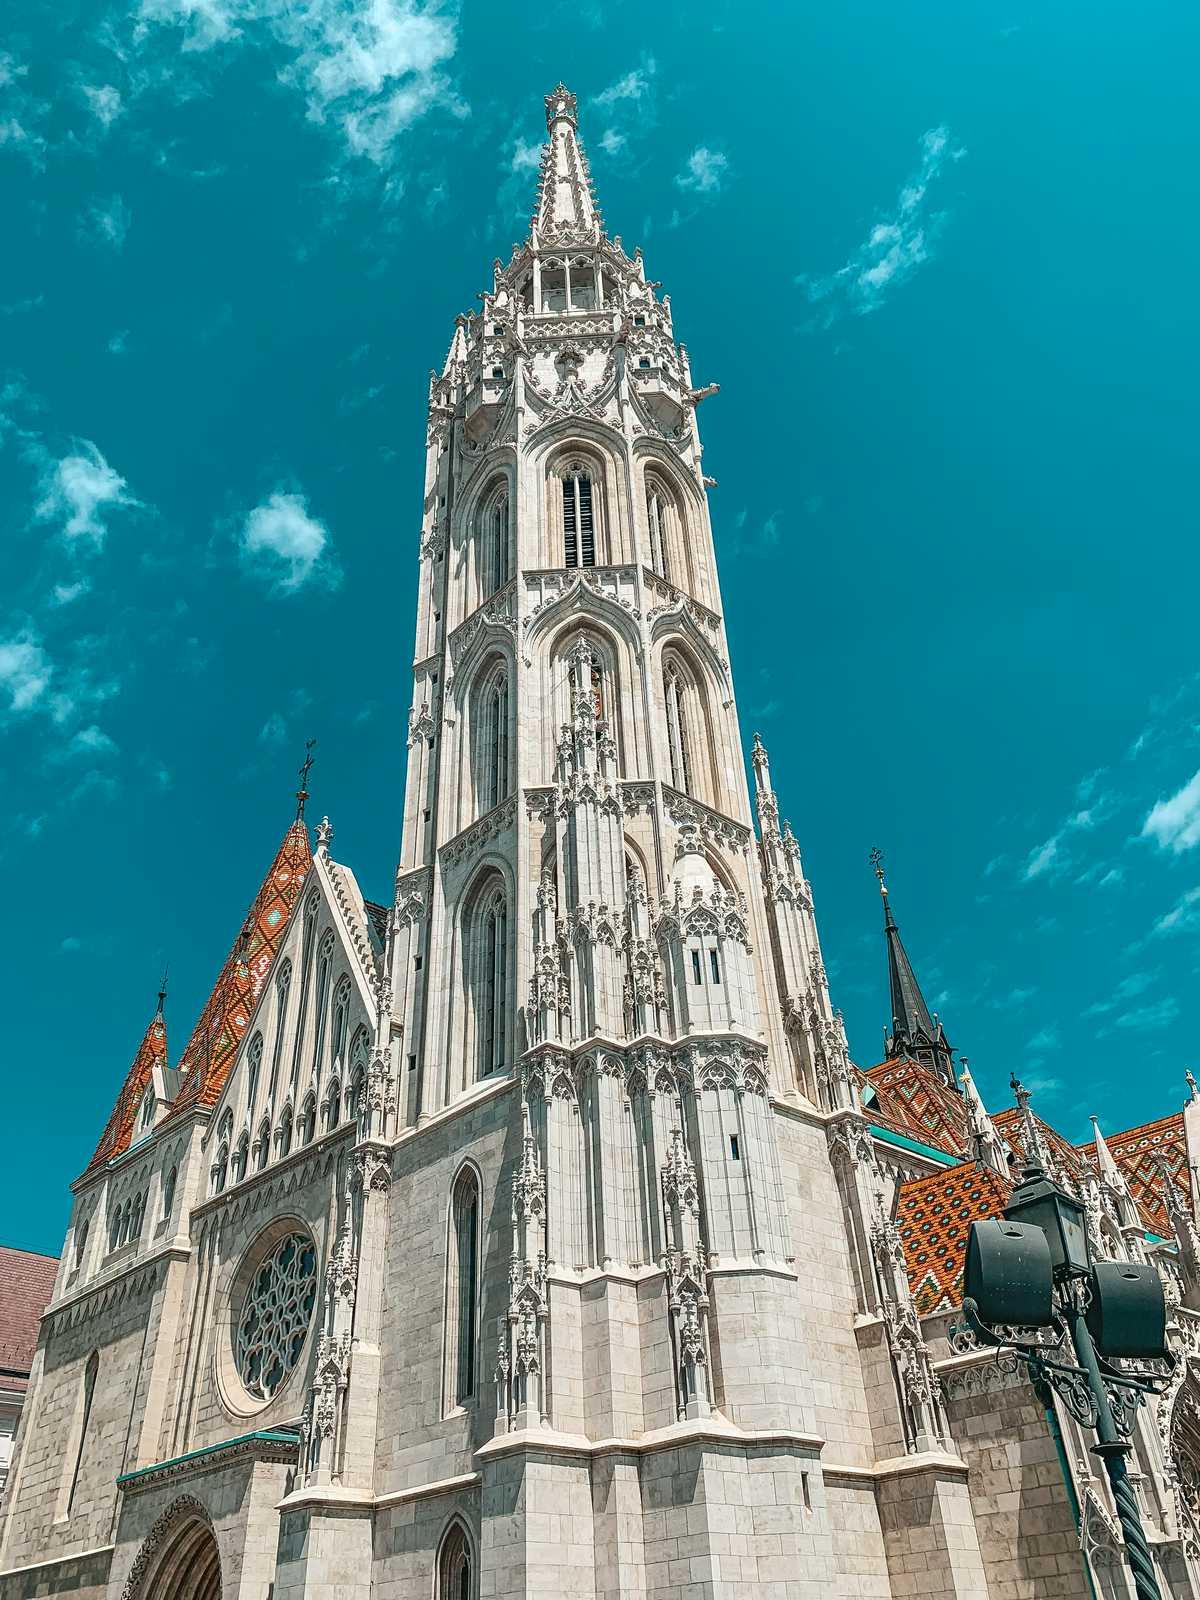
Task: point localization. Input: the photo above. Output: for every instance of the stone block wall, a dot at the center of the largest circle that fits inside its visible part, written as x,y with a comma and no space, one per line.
1025,1522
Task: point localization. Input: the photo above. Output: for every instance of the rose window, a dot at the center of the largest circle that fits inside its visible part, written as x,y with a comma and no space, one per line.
275,1317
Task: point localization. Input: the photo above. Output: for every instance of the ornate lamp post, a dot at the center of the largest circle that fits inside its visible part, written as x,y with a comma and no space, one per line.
1033,1271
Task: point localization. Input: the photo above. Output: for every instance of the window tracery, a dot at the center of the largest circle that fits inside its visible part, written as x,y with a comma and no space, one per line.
579,526
341,1018
462,1287
491,980
253,1068
275,1315
677,692
321,1002
660,509
455,1574
494,542
283,984
492,751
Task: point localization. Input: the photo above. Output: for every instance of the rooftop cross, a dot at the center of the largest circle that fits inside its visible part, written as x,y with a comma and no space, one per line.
302,791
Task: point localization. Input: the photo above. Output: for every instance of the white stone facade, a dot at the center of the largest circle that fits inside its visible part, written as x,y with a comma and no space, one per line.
592,1291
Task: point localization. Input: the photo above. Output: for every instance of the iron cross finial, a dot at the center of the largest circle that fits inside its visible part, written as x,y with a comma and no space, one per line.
877,863
302,791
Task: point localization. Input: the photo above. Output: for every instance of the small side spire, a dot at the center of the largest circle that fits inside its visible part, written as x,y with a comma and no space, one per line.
1038,1161
302,791
566,202
915,1032
989,1147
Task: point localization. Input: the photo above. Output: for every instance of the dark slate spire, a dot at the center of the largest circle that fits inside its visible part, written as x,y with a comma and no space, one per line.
915,1033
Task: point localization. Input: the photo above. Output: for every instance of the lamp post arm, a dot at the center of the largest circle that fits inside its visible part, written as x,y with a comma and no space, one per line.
1113,1449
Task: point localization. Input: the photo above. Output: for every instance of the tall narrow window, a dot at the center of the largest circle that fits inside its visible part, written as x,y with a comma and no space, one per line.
90,1373
455,1581
341,1018
494,545
656,515
282,985
324,975
253,1070
678,731
464,1274
493,988
306,966
493,752
579,533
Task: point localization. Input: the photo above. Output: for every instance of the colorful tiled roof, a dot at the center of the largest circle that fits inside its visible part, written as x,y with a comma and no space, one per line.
1138,1152
26,1284
210,1051
152,1052
934,1214
915,1101
1008,1125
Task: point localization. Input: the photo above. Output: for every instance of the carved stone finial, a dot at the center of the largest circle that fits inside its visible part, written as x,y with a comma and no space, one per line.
1193,1092
324,835
561,104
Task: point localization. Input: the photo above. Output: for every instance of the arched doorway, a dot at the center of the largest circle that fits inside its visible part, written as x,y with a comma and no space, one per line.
190,1568
179,1559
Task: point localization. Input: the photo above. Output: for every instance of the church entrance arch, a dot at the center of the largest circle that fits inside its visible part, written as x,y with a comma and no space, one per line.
179,1560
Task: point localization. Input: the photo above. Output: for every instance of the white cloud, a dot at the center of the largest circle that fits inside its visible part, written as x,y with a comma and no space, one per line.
704,171
1045,1039
273,730
526,157
80,489
1183,916
25,672
280,538
896,245
373,69
1159,1015
1050,858
91,742
64,593
106,223
104,102
1174,823
629,107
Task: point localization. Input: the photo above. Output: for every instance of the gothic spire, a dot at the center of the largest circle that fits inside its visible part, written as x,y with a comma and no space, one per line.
914,1033
566,201
151,1055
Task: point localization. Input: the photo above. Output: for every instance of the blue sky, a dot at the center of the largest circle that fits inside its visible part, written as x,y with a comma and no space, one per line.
941,260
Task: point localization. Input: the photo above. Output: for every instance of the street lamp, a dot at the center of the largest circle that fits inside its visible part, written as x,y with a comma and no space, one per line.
1033,1270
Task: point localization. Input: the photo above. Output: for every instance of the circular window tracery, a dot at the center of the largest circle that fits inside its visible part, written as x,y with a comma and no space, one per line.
275,1316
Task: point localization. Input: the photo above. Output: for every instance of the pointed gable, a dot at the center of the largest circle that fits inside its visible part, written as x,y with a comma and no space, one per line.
912,1099
1138,1153
1064,1155
151,1054
213,1045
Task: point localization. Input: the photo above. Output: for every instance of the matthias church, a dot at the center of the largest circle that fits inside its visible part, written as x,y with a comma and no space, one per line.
533,1233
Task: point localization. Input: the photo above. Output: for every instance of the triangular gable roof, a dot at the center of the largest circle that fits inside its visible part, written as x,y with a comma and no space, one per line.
914,1100
212,1047
1008,1125
1137,1152
934,1215
151,1053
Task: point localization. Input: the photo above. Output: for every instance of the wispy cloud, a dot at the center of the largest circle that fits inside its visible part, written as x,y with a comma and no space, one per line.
273,730
1047,1038
106,223
25,671
1174,823
628,107
20,112
90,742
1159,1015
79,490
1052,856
897,244
280,540
1183,916
103,101
1128,988
704,171
371,70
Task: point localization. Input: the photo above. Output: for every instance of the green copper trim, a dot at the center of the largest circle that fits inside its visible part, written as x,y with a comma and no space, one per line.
277,1436
905,1143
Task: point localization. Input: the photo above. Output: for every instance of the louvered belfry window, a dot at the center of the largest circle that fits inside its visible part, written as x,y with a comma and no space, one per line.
578,525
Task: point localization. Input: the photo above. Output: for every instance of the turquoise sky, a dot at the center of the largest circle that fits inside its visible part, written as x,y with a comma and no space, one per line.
941,259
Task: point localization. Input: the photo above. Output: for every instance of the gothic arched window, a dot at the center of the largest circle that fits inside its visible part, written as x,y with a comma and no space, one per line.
262,1145
341,1018
492,748
283,984
493,542
168,1204
253,1068
81,1238
462,1288
658,511
283,1134
240,1160
324,975
492,980
333,1105
579,528
455,1576
311,911
677,691
308,1119
220,1170
90,1373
